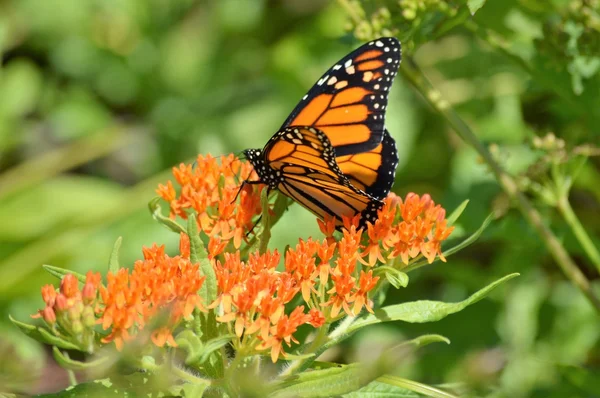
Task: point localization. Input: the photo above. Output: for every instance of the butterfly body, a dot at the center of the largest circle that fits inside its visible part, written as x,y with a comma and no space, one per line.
333,154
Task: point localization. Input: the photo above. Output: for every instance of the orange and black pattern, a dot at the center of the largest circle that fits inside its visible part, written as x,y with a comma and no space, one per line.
333,154
300,162
348,102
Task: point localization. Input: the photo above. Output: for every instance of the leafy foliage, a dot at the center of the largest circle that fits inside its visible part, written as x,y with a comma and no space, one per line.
99,99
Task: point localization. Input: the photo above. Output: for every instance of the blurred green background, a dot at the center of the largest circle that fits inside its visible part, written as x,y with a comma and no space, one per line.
99,99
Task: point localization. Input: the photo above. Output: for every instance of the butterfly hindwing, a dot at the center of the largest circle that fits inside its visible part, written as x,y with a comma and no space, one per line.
373,171
348,102
300,162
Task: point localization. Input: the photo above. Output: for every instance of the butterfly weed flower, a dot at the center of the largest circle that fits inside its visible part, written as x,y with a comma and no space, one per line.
335,157
158,283
212,190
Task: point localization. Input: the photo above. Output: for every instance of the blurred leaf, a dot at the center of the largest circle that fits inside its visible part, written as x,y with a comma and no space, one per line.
44,336
67,363
86,198
475,5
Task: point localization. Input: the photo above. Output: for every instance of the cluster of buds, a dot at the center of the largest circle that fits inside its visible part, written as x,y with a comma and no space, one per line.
71,312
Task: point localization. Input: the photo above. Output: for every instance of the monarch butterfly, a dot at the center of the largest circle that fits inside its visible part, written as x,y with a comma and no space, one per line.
333,154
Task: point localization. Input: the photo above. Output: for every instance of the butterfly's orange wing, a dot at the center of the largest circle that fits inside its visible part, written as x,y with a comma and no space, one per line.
348,102
303,159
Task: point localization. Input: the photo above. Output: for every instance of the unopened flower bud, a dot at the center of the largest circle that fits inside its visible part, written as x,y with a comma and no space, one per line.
75,313
61,302
49,315
49,295
77,327
69,286
89,293
88,317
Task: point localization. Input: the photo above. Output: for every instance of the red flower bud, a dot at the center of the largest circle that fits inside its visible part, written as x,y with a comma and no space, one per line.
48,295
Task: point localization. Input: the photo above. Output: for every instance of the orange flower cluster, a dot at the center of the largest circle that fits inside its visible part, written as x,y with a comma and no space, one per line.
71,309
210,189
332,277
405,228
253,295
158,285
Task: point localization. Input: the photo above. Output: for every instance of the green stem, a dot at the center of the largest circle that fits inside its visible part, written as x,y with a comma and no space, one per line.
415,76
565,209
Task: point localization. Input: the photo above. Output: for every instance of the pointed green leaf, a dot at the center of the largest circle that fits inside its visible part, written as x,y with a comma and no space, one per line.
214,345
471,239
475,5
419,388
427,339
61,272
156,211
457,212
113,262
67,363
424,310
44,336
198,254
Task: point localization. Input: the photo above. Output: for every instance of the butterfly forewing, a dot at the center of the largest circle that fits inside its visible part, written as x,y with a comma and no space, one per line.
348,102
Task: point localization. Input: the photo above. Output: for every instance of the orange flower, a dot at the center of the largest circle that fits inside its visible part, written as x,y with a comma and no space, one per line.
157,283
283,331
212,189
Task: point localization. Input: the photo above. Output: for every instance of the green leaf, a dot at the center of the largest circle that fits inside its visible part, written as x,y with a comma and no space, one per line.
457,212
130,386
395,277
44,336
67,363
424,310
156,211
329,382
197,351
475,5
61,272
113,262
471,239
426,339
198,254
378,389
423,389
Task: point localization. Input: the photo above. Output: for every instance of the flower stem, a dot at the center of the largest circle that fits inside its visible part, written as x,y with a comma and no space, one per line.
565,209
415,76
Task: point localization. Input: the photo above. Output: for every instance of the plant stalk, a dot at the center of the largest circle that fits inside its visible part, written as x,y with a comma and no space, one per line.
565,209
411,72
